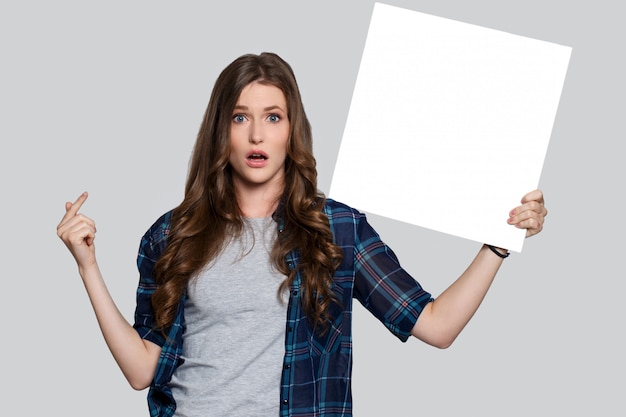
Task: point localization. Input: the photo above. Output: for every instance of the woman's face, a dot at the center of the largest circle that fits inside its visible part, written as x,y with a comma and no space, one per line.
259,133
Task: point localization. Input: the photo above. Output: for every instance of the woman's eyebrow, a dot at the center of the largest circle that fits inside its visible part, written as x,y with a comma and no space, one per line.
274,107
268,108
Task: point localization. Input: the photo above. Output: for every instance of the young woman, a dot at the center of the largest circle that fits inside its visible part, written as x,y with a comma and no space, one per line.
245,296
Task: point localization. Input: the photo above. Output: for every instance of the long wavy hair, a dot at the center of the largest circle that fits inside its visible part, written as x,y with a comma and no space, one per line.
209,213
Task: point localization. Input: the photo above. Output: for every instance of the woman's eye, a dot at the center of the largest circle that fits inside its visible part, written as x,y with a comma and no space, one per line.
239,118
273,118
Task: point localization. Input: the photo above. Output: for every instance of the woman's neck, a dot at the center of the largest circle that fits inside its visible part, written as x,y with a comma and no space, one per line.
257,202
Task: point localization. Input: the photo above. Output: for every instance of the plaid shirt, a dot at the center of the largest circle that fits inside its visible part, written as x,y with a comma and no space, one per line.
316,368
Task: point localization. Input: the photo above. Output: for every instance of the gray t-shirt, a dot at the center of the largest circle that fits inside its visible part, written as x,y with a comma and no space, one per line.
234,341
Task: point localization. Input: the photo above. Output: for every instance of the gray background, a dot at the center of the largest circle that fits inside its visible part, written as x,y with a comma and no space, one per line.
108,98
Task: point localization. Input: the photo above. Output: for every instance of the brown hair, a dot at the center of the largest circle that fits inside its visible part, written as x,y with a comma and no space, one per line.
209,212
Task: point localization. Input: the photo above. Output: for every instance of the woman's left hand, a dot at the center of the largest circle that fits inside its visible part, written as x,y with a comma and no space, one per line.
531,214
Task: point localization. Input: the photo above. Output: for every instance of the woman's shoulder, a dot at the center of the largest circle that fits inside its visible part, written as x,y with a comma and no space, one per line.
340,212
335,206
160,229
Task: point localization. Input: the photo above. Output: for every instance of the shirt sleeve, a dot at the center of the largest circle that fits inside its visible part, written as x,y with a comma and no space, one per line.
150,248
383,286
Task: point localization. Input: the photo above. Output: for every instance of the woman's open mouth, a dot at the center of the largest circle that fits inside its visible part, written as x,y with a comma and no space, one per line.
256,159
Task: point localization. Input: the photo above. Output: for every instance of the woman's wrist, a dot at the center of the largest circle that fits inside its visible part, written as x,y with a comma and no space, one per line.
502,253
89,270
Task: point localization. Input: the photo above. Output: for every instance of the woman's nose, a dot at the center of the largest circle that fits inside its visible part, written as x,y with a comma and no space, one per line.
256,133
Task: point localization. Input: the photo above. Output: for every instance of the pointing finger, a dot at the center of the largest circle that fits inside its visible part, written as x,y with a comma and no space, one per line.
72,208
78,203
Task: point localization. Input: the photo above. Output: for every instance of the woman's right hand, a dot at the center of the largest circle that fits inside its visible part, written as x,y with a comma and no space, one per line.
78,232
136,357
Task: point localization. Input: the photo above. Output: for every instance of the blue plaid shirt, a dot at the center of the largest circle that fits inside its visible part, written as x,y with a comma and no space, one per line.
317,368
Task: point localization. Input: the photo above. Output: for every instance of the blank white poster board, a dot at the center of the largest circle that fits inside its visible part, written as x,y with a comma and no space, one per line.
449,124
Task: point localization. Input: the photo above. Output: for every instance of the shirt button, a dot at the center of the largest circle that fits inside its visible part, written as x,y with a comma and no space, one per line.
290,329
286,366
294,293
285,401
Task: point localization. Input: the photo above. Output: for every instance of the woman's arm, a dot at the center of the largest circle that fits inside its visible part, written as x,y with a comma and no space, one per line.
137,358
442,320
